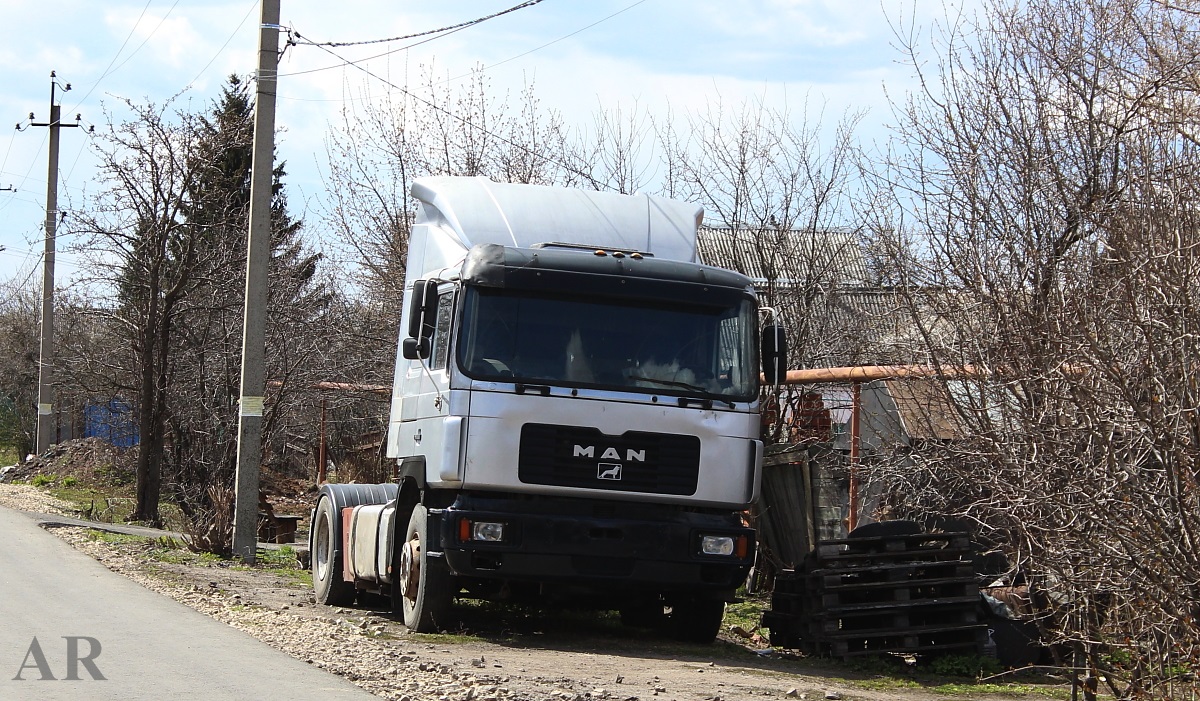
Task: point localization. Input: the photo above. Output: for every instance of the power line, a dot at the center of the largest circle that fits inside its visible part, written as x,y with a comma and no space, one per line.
465,121
25,254
19,198
71,170
221,50
9,149
443,32
5,174
551,43
454,27
32,163
458,77
17,288
148,36
368,58
114,58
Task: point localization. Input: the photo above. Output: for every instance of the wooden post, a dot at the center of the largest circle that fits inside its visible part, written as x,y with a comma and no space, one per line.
855,439
322,459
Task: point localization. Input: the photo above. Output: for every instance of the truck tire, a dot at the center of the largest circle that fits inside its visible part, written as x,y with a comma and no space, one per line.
422,583
697,620
328,585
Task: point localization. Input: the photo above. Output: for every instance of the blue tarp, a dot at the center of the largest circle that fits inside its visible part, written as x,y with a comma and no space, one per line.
112,421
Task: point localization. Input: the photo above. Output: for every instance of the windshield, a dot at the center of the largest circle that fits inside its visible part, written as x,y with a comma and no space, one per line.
518,335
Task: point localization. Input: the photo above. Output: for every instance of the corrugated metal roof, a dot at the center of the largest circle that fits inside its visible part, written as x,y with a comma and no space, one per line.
828,257
820,284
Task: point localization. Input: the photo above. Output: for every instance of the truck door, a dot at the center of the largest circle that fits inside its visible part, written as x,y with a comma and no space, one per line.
426,390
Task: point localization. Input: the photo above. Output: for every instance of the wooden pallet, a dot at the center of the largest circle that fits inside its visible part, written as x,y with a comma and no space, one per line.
896,593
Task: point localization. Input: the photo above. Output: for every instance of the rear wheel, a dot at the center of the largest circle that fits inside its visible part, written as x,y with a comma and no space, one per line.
697,620
421,584
328,585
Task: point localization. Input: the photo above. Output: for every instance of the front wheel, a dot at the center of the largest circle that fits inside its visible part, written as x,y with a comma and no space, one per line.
328,585
422,585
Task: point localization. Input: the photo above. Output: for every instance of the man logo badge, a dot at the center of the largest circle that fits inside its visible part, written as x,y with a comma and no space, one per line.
608,471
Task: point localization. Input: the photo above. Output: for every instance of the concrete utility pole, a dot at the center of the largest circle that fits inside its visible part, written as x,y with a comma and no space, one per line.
258,256
47,433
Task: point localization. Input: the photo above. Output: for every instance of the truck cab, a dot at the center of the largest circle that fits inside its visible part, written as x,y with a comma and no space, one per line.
574,415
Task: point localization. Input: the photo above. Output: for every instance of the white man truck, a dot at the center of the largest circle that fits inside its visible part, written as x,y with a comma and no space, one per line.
574,416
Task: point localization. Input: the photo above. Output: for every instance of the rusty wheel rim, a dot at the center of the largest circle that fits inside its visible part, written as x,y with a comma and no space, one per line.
410,567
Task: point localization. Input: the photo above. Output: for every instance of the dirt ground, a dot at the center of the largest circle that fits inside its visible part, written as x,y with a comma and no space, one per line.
490,652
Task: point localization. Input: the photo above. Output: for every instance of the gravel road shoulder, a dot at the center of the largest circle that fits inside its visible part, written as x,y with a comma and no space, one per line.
496,655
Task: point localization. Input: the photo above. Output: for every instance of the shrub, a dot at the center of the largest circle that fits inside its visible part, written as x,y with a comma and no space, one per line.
210,529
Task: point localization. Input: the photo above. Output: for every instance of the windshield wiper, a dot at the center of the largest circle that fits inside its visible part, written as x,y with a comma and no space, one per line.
670,383
683,385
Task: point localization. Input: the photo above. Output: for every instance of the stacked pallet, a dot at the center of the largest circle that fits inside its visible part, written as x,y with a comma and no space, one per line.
911,593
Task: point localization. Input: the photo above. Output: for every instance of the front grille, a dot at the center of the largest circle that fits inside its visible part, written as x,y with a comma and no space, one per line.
635,461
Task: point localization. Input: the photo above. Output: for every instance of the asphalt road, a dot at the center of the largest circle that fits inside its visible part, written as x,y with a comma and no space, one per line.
90,622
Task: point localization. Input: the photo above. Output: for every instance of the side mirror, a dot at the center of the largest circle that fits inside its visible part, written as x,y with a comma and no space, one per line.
774,354
422,309
415,348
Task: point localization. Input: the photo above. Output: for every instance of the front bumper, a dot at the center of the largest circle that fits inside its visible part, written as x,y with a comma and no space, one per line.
614,545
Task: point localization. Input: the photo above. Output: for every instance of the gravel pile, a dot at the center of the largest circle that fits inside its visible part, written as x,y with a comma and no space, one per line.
91,461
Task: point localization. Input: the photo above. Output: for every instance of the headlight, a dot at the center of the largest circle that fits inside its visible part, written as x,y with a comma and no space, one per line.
488,531
716,545
725,545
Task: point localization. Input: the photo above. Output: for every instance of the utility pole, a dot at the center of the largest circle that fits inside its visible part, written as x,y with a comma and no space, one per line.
258,256
47,429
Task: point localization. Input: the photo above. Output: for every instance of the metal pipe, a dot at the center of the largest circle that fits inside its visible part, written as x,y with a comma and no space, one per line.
867,373
341,387
353,387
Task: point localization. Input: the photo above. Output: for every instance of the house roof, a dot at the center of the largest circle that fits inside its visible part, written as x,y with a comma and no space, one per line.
821,284
822,257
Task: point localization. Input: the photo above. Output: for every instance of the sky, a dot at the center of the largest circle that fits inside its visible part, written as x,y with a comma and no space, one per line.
824,56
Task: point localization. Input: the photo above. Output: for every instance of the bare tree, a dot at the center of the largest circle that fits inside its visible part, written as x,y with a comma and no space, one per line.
616,153
166,238
777,202
148,166
19,312
381,147
764,175
1048,182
